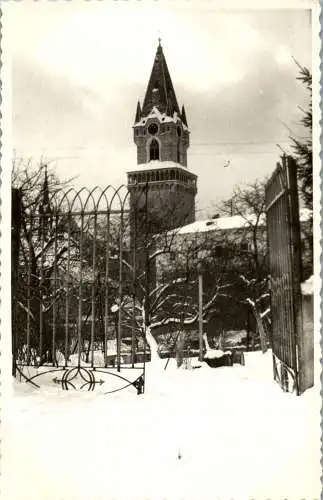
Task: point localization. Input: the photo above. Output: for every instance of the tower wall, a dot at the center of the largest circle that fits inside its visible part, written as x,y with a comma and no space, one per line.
173,147
168,206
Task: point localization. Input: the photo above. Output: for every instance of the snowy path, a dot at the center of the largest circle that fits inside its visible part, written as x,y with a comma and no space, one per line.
237,434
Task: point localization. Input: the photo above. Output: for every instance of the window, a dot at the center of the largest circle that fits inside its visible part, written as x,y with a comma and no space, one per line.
244,247
153,129
154,150
218,251
178,159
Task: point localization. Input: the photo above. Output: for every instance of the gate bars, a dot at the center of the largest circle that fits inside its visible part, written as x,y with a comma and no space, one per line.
76,268
284,245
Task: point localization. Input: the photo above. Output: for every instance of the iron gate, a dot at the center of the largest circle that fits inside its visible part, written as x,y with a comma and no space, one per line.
73,292
284,245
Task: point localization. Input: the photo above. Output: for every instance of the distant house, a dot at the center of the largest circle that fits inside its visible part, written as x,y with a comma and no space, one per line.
223,248
214,236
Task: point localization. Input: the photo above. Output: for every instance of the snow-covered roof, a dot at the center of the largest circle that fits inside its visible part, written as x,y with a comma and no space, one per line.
161,117
234,222
221,223
157,165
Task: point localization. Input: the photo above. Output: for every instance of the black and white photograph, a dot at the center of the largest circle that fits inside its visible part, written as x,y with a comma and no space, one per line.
160,283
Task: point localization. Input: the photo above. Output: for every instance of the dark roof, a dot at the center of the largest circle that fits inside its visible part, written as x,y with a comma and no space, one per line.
183,116
160,91
44,205
138,113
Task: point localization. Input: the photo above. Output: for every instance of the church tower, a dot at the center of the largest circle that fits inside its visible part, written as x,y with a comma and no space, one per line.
161,179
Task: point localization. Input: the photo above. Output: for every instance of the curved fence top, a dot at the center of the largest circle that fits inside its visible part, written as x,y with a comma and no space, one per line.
71,201
84,200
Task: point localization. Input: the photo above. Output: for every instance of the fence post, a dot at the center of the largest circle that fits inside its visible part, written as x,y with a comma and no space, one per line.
15,244
285,267
200,296
119,333
297,271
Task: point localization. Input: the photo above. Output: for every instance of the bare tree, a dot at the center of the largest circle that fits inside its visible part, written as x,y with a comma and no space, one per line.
248,202
171,302
164,299
41,250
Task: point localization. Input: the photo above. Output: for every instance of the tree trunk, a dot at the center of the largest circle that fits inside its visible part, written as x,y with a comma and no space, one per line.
152,344
256,254
261,330
180,349
206,342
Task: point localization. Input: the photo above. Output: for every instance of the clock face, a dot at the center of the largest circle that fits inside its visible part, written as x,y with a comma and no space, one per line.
153,129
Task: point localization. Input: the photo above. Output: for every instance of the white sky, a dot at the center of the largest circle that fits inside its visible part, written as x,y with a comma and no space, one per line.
78,69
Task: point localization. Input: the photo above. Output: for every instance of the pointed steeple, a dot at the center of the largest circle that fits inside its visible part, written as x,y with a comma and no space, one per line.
138,113
45,200
160,91
183,116
45,212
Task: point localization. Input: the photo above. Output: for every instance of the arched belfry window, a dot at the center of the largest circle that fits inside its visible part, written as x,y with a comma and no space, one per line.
154,150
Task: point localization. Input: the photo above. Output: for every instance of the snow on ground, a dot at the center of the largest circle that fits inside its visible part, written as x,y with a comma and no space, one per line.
237,434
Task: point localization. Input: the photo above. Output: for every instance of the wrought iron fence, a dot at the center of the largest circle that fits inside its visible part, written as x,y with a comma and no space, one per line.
284,246
75,267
